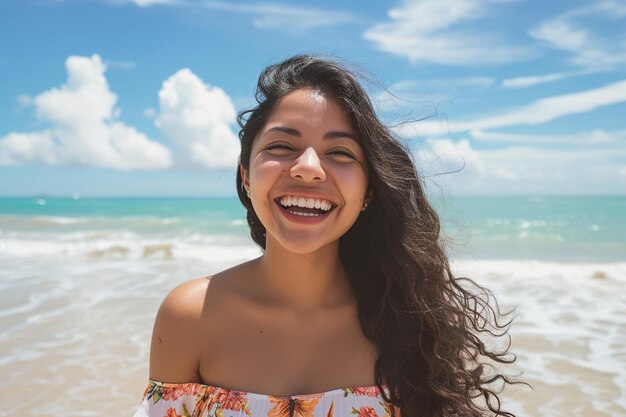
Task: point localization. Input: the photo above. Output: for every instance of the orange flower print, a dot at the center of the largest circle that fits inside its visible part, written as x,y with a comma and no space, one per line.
170,394
217,395
236,401
301,407
171,412
173,393
372,391
229,400
365,411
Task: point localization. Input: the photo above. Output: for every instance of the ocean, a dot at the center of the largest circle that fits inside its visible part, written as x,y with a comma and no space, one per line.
81,280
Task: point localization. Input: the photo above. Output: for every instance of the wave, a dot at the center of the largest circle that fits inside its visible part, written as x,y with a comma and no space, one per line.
129,247
497,270
43,221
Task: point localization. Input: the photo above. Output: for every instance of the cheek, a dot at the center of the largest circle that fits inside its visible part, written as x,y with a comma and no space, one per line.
263,172
354,181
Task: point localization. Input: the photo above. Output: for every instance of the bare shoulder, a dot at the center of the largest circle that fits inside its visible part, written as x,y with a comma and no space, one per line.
174,350
186,300
189,322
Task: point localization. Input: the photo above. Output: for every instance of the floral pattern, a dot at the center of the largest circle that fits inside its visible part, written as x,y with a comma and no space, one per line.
365,411
198,400
222,399
372,391
292,407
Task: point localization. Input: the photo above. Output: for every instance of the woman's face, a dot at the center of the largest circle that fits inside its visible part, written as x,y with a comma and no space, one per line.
307,174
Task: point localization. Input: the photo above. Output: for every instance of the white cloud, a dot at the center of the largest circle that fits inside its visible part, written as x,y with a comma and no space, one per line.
149,113
433,126
593,137
428,31
145,3
442,84
123,65
522,169
24,100
550,108
452,156
530,80
198,120
571,32
422,97
286,18
85,128
540,111
17,148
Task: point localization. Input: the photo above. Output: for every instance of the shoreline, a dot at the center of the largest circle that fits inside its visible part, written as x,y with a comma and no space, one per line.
80,331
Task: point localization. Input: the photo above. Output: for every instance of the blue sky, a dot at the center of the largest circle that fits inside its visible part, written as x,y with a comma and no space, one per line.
139,97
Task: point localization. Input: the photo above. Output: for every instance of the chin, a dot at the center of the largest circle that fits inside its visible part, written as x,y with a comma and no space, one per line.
302,245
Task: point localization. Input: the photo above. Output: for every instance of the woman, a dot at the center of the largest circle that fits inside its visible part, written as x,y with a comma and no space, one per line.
352,308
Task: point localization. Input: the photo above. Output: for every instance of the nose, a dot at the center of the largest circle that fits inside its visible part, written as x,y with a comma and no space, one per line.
308,167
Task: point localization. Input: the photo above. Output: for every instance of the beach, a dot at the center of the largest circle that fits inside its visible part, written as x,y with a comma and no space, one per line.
82,279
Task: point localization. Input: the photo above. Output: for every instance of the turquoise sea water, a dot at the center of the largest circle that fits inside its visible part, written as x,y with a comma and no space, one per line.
587,229
580,229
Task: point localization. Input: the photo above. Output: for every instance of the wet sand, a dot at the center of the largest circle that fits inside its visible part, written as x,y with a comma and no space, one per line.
74,338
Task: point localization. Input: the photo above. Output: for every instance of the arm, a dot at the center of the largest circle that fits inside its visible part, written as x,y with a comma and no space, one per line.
174,351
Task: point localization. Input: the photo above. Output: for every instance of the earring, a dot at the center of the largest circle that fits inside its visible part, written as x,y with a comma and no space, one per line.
248,193
364,207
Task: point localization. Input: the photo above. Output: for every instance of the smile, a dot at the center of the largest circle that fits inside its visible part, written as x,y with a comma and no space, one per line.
305,207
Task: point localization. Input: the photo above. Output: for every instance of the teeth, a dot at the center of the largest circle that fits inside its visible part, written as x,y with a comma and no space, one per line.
291,200
298,213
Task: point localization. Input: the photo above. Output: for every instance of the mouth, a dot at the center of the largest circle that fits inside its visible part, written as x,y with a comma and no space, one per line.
305,206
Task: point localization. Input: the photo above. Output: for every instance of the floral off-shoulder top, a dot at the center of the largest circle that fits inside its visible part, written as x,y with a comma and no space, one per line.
199,400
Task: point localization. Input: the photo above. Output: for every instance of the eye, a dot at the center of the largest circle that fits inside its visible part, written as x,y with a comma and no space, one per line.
279,147
342,153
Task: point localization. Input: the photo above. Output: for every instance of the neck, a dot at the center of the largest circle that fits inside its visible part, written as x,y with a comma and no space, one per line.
303,283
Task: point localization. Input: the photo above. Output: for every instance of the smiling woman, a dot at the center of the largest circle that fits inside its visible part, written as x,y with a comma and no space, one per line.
306,151
352,308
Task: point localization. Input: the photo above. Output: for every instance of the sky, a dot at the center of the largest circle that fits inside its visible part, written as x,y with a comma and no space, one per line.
140,97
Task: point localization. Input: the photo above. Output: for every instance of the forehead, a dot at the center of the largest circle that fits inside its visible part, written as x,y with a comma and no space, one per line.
309,108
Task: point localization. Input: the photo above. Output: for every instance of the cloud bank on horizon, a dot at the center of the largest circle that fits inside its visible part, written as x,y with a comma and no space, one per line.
526,141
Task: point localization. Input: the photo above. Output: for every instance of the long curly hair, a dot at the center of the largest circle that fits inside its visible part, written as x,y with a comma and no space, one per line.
427,324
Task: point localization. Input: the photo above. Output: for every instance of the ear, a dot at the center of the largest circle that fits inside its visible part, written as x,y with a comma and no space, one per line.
369,196
244,178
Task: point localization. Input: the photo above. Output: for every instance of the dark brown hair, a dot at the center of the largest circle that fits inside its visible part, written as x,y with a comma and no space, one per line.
427,324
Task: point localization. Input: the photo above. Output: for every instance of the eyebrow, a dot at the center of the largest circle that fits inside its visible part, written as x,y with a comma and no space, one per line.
335,134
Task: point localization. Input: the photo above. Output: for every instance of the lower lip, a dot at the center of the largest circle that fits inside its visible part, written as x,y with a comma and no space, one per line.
303,219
